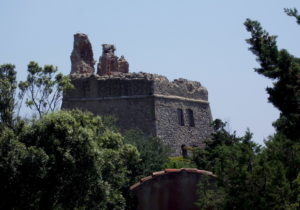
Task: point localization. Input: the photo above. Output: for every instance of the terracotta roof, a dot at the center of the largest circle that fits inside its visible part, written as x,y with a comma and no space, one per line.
168,171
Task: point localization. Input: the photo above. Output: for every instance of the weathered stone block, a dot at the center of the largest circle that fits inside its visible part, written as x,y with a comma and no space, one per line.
82,61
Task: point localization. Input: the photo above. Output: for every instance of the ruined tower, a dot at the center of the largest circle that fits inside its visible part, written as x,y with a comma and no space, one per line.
82,59
178,111
109,63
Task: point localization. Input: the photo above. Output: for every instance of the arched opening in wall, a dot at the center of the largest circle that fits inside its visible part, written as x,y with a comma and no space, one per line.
180,117
191,117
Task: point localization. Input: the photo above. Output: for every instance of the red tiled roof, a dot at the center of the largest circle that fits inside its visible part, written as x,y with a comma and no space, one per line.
168,171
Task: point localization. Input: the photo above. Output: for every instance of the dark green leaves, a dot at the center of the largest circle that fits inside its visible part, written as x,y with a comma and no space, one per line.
284,68
154,154
8,85
65,160
264,47
294,13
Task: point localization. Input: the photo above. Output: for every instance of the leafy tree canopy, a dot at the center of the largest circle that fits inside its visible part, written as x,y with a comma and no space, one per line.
154,154
65,160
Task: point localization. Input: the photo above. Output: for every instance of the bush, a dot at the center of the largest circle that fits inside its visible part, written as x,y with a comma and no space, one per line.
65,160
153,153
179,162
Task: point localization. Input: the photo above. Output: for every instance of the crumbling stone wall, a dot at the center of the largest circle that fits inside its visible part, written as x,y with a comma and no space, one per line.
109,63
144,101
148,102
129,101
180,87
82,60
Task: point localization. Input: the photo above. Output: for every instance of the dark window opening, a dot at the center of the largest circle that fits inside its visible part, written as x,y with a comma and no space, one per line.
180,117
184,151
191,117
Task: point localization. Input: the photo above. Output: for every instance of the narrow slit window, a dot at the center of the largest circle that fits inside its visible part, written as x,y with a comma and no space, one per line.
180,117
191,117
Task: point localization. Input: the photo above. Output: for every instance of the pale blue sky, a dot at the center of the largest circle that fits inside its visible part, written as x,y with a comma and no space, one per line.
193,39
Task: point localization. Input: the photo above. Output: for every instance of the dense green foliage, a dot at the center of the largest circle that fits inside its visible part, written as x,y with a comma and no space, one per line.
211,196
248,176
180,162
8,85
231,158
153,153
283,68
65,160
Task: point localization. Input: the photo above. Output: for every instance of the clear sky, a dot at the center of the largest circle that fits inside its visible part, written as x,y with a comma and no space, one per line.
193,39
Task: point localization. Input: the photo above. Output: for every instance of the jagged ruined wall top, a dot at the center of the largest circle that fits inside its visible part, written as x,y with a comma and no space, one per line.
82,60
130,84
109,63
113,79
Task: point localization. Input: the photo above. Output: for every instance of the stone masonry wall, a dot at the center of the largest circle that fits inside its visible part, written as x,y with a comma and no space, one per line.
172,133
135,114
147,102
180,87
130,84
129,101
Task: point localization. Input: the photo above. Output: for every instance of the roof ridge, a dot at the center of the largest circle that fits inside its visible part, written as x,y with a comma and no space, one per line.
169,171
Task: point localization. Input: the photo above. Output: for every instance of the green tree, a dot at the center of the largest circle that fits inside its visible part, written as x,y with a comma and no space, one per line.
65,160
43,88
232,159
154,154
180,162
294,13
296,193
262,178
250,176
8,85
284,69
211,196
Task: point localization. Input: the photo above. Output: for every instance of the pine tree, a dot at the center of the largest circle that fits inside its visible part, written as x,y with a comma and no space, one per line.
284,69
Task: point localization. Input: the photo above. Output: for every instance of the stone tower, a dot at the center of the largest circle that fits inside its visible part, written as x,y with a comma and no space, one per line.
176,111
